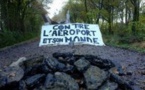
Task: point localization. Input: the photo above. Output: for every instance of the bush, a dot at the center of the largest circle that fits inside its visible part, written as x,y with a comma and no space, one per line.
8,37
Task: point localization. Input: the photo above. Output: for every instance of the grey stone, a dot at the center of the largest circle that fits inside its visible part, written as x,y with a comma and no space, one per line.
36,69
69,68
11,74
109,86
94,77
3,81
65,82
49,81
55,64
120,81
82,64
22,85
33,80
37,60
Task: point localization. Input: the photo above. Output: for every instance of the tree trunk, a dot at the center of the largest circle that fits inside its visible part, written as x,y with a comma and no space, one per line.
135,15
86,11
110,20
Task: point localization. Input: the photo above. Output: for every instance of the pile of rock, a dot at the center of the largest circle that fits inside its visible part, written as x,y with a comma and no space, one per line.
64,71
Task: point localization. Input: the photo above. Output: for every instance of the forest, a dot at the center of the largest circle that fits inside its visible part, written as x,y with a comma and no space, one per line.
122,22
20,20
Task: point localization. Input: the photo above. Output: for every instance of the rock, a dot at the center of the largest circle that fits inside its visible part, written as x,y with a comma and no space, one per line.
99,62
55,64
12,74
123,85
116,70
41,87
63,55
49,81
64,72
129,73
3,81
69,68
119,69
94,77
22,85
42,68
82,64
71,60
109,86
37,60
34,80
65,82
18,62
30,71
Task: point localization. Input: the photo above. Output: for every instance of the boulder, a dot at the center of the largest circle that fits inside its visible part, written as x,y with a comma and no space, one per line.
63,72
109,86
54,64
11,74
34,80
49,81
94,77
82,64
65,81
36,60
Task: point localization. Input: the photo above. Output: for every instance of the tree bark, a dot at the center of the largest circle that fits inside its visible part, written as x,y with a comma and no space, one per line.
135,15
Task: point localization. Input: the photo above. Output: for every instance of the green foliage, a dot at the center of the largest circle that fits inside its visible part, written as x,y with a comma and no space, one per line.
8,37
123,33
20,20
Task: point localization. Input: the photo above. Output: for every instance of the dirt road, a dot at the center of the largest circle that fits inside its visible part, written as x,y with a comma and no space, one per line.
131,61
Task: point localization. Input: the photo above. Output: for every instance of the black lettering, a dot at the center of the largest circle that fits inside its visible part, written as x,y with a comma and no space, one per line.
76,38
44,33
95,40
71,32
54,33
47,40
86,26
68,39
83,32
93,32
89,39
67,26
53,40
65,32
58,40
75,25
83,39
44,40
55,27
88,32
77,31
81,26
61,27
60,33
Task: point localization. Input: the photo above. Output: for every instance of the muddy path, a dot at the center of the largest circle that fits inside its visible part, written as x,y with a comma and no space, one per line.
131,61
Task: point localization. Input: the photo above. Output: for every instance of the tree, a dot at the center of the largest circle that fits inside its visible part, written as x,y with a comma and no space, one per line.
136,6
16,14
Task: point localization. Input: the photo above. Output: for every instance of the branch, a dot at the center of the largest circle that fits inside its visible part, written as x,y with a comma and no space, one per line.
133,1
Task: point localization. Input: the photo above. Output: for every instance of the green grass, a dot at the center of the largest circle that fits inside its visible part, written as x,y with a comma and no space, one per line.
124,42
8,38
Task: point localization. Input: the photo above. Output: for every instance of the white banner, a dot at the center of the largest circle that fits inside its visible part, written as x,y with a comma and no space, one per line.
74,33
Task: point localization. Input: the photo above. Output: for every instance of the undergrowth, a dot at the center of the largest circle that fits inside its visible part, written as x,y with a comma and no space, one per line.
8,37
128,42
